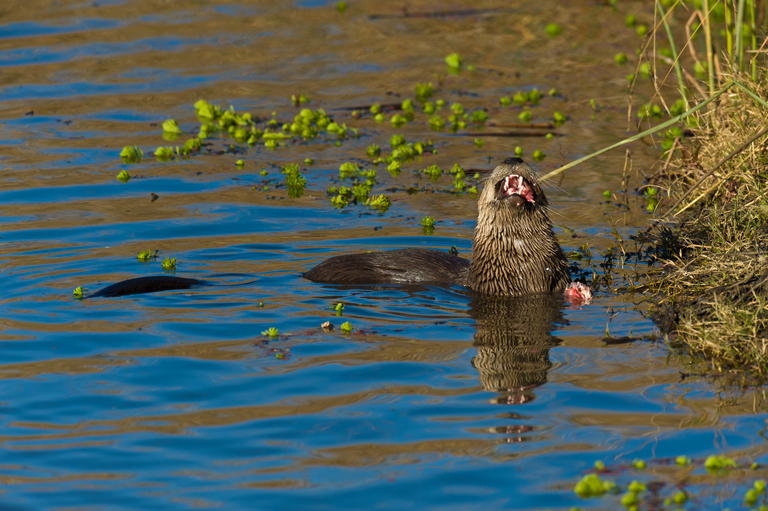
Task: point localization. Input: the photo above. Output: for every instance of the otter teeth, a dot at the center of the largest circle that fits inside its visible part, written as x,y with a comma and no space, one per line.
516,185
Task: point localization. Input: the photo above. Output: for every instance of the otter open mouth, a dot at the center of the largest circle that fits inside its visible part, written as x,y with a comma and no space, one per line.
516,187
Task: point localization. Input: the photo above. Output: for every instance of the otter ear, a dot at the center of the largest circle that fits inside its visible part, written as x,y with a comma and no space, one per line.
513,161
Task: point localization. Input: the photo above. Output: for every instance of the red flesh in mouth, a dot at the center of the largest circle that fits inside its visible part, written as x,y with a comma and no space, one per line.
517,185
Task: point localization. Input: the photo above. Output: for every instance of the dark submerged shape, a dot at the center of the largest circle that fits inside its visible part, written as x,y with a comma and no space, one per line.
514,249
142,285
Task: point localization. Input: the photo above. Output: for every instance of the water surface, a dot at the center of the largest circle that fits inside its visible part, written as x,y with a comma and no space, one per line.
436,399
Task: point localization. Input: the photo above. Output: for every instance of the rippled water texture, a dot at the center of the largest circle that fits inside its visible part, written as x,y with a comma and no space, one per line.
436,400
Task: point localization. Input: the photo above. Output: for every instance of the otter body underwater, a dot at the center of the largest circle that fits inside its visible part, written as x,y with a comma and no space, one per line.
514,251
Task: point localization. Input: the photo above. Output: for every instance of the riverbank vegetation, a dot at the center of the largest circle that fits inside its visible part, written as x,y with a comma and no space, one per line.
711,291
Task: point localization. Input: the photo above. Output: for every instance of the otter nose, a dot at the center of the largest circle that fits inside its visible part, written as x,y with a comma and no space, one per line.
513,161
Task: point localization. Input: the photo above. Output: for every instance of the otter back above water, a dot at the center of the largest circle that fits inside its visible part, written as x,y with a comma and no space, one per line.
408,265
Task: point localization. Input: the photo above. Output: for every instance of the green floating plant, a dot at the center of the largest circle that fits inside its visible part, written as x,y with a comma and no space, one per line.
169,264
424,91
381,203
428,221
717,462
346,327
505,101
271,332
433,171
454,61
131,154
123,176
373,151
592,486
554,30
539,155
170,126
164,153
146,255
78,292
525,116
479,116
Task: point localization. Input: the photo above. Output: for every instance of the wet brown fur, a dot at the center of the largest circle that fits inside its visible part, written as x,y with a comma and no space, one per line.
514,250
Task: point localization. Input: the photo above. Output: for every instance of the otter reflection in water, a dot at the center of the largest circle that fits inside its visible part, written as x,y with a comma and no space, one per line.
513,339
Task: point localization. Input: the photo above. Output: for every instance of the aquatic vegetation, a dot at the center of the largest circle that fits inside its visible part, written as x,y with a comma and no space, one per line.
398,121
169,264
346,327
123,176
518,152
429,108
553,30
147,255
642,30
240,164
379,118
78,292
505,101
592,486
341,6
294,180
271,332
559,119
539,155
164,153
131,154
396,140
620,58
479,116
428,221
650,110
630,21
433,171
436,122
299,100
348,169
341,200
424,91
339,308
520,97
638,464
394,168
373,151
457,108
478,143
534,96
454,61
525,116
170,126
379,202
553,92
717,462
375,109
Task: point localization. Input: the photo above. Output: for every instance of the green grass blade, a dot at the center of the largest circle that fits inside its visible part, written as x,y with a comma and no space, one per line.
650,131
679,71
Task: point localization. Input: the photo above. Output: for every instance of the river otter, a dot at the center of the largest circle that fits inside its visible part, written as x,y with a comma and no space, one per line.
514,249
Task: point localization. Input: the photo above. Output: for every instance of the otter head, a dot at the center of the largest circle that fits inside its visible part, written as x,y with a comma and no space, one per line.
514,249
512,186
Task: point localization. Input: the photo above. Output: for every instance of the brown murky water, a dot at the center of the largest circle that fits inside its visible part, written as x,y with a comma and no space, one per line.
436,400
